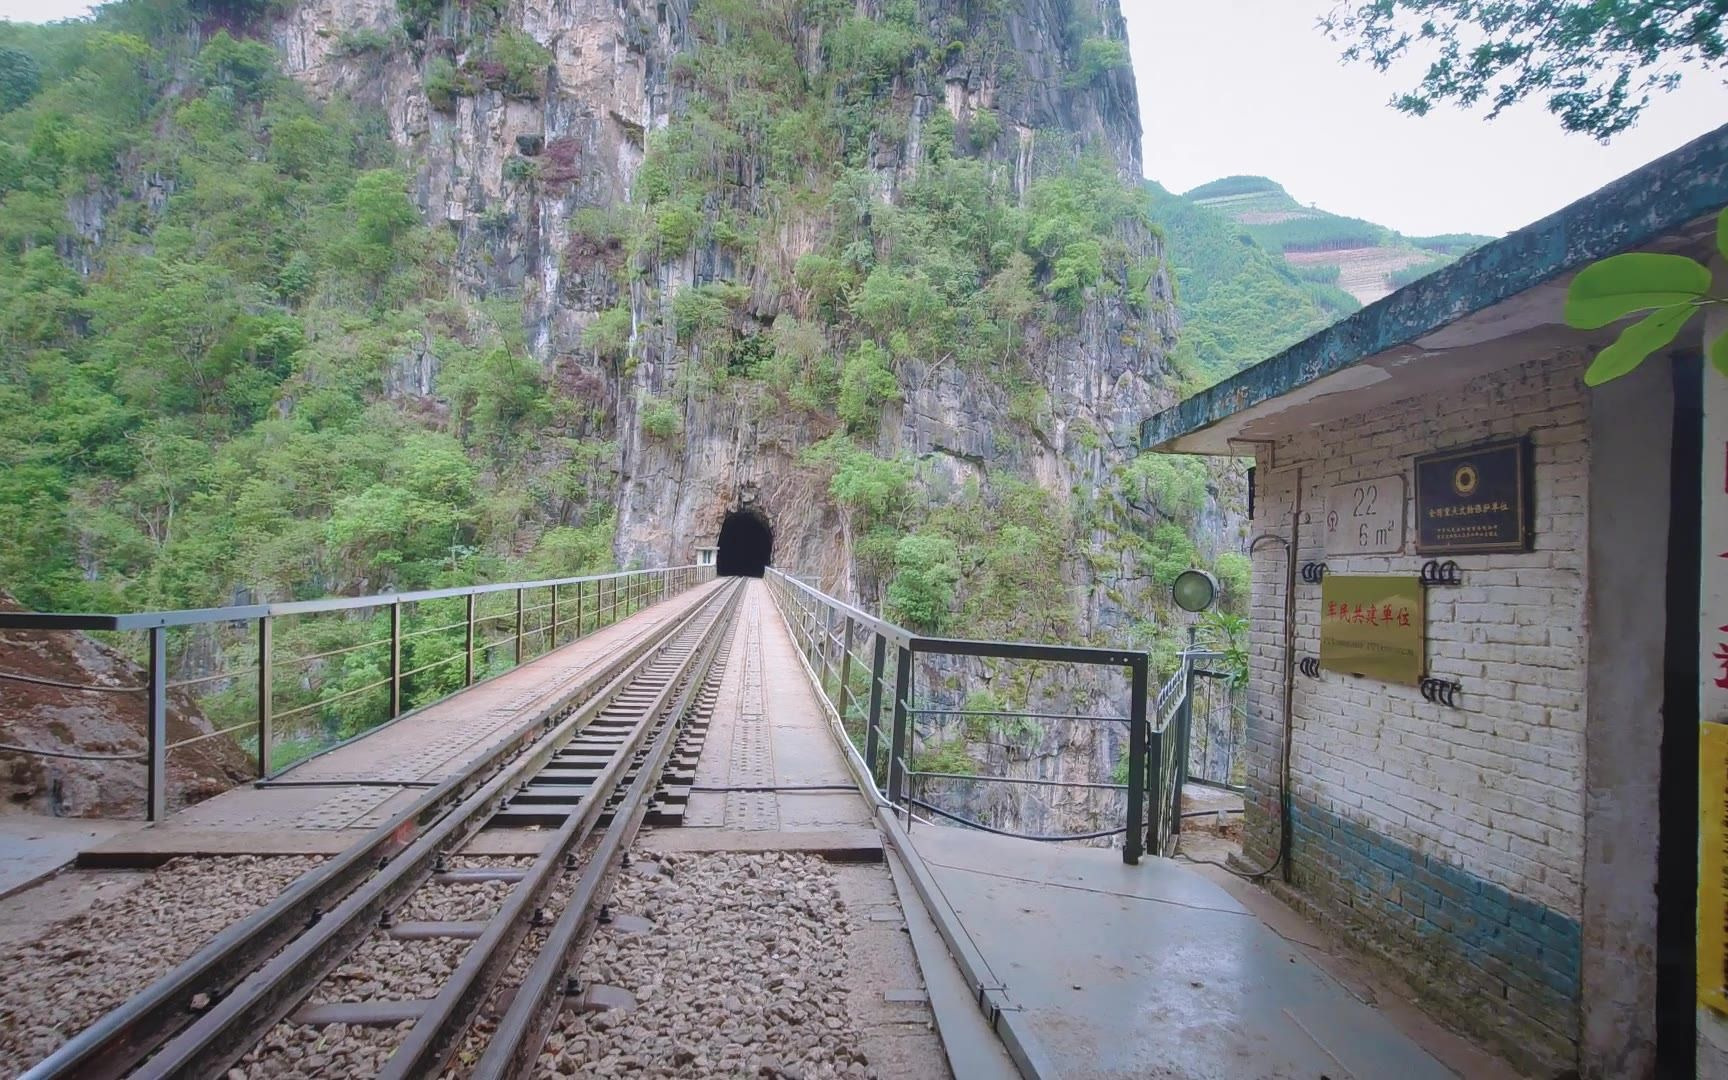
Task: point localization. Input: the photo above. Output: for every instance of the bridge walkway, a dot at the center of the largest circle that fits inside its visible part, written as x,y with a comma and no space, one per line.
323,804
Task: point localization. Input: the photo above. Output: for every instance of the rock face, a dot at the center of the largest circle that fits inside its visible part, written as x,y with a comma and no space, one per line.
519,178
109,720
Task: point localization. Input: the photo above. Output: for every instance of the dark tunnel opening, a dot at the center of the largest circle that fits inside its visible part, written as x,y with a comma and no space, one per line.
746,545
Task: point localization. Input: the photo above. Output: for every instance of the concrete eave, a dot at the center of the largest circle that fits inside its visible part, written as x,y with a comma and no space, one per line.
1488,310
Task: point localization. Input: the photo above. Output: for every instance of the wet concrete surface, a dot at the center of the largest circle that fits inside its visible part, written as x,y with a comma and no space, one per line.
1153,970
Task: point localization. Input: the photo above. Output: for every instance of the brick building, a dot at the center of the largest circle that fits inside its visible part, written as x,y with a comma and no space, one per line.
1518,831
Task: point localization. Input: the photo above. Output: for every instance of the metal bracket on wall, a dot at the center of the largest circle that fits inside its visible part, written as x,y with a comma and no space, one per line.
1440,692
1309,666
1312,572
1435,573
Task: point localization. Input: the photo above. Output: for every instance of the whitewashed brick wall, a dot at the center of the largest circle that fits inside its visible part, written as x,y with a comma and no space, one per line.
1495,786
1450,840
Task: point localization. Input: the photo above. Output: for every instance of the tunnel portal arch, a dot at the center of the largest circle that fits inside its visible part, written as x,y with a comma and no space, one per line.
746,544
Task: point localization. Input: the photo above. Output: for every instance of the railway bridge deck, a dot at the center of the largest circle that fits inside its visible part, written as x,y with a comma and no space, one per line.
752,882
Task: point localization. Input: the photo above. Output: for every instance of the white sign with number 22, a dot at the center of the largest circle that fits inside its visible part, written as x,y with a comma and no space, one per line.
1365,517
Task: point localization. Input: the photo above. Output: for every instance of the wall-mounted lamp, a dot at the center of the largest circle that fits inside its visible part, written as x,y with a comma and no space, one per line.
1194,591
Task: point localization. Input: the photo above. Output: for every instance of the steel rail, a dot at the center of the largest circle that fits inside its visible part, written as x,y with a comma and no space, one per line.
236,673
123,1037
522,1031
433,629
189,740
429,667
440,1029
233,1025
57,684
328,653
343,696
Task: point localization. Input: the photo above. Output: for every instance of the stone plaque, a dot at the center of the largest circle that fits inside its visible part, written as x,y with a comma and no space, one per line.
1365,517
1371,625
1475,498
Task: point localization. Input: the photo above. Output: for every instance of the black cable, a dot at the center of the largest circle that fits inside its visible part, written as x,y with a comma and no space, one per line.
1018,836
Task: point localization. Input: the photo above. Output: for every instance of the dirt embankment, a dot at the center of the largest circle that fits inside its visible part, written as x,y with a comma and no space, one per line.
110,721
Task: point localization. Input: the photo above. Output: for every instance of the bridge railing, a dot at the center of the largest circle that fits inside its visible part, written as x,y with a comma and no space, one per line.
866,668
1173,718
314,674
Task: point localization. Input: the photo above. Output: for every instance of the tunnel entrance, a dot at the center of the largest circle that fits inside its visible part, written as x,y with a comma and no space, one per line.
746,545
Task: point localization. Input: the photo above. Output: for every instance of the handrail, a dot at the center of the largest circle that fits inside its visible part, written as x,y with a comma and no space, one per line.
595,606
146,620
870,622
826,628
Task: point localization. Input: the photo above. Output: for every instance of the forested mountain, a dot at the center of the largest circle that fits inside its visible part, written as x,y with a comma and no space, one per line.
205,276
333,296
1240,303
244,355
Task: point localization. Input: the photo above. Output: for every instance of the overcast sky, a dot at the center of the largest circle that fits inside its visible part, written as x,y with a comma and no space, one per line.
1250,86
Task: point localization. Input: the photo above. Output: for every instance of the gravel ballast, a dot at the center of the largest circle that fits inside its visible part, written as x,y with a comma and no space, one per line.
59,983
741,975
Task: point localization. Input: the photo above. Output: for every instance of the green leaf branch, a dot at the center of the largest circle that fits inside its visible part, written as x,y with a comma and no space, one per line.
1671,288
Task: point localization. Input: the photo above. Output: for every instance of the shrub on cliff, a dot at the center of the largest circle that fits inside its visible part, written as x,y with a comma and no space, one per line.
926,569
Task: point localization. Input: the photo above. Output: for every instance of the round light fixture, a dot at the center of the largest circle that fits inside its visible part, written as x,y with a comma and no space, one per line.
1194,590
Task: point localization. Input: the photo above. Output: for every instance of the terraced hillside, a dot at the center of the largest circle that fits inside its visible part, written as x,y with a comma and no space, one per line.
1364,259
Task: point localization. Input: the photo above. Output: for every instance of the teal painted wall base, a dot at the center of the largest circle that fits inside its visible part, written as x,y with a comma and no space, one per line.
1493,962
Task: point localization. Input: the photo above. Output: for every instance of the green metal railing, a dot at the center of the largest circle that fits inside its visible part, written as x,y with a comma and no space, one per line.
865,669
377,659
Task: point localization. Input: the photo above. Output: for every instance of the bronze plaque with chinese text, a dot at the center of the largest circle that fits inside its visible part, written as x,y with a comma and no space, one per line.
1475,498
1371,625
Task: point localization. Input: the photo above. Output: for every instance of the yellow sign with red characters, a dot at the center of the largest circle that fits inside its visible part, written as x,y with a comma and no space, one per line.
1713,866
1371,625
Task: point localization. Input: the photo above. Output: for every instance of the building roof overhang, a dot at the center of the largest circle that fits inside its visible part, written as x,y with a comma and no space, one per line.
1497,306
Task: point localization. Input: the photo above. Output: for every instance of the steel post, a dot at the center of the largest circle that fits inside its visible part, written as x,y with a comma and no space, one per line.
552,628
1184,716
900,737
578,612
468,646
395,660
845,672
827,644
1134,842
873,719
266,691
156,725
518,627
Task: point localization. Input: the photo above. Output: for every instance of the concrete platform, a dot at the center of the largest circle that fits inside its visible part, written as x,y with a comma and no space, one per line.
34,847
1154,971
325,803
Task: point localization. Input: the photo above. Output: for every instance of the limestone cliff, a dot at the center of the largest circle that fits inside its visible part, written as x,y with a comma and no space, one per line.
553,195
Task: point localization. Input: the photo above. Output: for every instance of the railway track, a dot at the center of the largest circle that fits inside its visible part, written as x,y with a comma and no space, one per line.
585,771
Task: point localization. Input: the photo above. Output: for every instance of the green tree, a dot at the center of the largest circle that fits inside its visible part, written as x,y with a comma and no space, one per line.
866,383
926,569
244,68
1595,63
20,77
